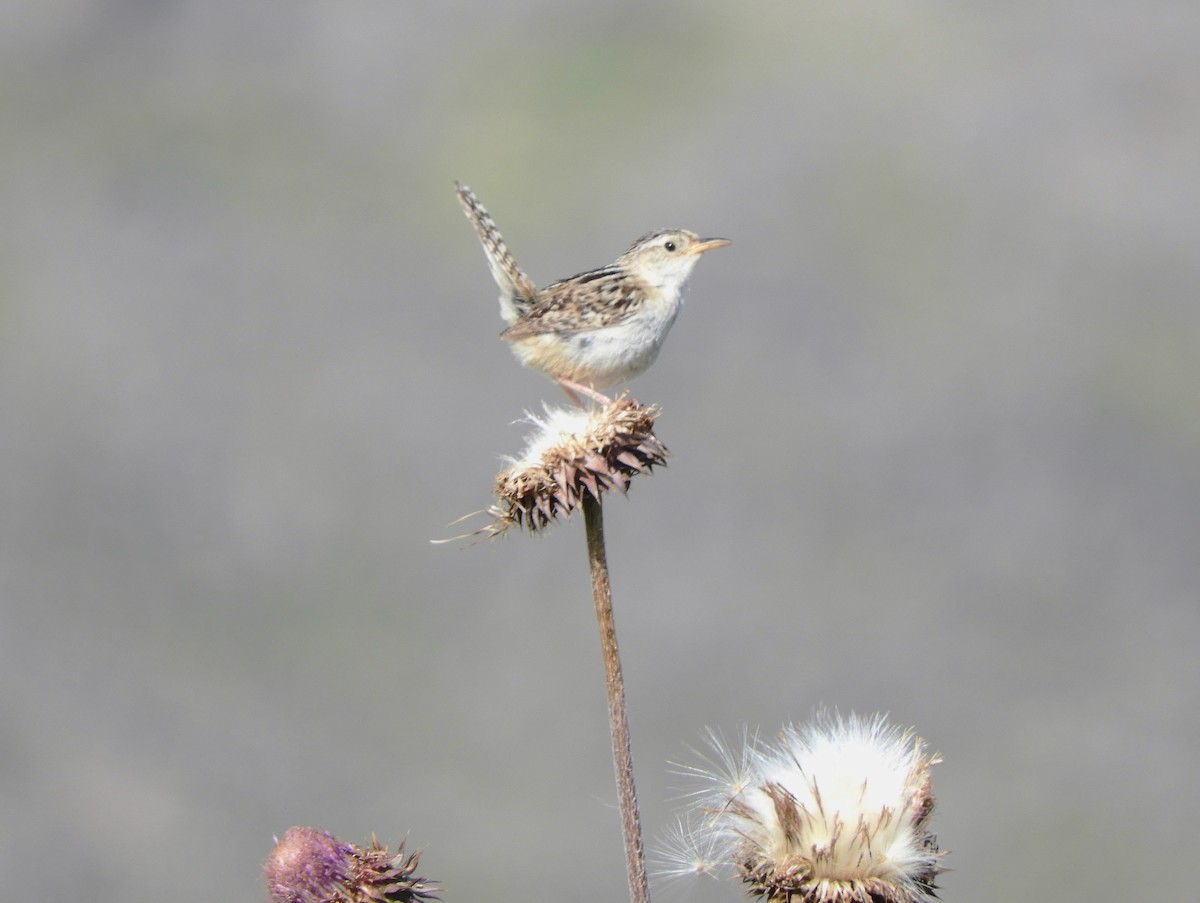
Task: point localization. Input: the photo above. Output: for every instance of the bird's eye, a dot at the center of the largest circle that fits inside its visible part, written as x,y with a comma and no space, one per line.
670,246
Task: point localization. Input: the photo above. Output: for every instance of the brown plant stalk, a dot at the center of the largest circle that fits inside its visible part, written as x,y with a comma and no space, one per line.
631,824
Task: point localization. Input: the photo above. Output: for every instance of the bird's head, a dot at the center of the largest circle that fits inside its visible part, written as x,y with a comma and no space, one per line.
665,258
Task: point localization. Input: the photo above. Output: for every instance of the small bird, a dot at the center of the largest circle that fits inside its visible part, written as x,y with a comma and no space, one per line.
600,328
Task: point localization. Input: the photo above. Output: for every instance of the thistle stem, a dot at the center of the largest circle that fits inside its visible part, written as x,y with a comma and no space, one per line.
635,858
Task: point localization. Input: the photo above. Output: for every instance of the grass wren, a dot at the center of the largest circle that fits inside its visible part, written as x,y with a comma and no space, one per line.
600,328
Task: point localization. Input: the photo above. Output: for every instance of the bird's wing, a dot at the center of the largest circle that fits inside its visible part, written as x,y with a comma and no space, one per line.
582,303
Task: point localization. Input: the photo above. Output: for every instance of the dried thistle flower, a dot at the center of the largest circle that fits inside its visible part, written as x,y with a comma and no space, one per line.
311,866
837,811
574,453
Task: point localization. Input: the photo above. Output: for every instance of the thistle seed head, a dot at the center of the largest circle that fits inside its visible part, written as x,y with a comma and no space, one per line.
571,454
836,811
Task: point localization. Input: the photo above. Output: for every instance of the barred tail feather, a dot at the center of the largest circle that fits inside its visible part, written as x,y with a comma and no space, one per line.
517,291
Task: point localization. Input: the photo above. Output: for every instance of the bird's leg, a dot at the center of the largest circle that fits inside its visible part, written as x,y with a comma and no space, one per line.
574,390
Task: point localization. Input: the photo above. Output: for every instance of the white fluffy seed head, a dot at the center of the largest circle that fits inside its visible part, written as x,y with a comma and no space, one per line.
551,428
835,810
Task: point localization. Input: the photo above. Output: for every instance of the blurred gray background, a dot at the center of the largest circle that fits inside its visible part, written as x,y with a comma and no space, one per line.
935,419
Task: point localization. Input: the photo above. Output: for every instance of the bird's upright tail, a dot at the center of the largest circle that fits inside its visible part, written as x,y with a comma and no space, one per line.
517,291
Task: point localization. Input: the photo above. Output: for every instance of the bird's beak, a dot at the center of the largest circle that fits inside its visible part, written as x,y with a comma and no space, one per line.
707,244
